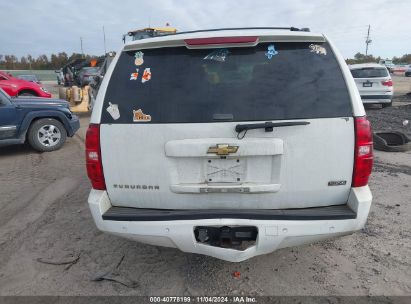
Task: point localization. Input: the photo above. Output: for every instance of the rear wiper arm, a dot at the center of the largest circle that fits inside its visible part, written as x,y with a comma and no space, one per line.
268,126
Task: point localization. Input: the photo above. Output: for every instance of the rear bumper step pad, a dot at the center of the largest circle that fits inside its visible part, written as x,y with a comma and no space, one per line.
339,212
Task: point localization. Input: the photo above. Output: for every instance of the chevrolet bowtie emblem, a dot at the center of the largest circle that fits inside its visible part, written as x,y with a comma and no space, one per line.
222,149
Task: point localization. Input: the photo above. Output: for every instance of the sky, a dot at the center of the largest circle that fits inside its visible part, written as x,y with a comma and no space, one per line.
49,26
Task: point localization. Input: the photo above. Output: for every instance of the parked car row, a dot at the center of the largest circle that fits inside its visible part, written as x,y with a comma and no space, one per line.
80,71
396,68
400,68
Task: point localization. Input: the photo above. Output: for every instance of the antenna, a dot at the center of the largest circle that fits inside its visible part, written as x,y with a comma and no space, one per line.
368,40
104,37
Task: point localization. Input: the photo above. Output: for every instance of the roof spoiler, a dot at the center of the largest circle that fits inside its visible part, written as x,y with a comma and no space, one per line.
292,29
211,42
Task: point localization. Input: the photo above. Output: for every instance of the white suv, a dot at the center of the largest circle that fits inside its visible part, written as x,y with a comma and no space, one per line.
374,83
230,143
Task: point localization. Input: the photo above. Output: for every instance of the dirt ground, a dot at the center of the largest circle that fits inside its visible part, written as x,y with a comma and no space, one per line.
45,218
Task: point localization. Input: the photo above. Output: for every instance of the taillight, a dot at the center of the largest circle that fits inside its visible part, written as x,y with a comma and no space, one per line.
93,158
387,83
363,155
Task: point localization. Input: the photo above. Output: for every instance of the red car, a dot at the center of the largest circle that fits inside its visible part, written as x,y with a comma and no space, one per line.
19,87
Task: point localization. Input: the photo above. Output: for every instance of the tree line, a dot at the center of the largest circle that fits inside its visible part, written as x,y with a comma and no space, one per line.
56,61
362,58
42,62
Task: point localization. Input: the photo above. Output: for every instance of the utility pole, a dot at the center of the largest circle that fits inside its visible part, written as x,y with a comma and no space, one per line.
104,36
81,45
368,40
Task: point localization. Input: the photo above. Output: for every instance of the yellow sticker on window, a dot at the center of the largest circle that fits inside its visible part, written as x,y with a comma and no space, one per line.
139,116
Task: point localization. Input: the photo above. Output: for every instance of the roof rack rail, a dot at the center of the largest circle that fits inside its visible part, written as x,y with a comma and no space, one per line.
293,29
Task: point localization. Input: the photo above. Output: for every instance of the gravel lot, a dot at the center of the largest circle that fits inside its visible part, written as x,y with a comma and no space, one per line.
45,218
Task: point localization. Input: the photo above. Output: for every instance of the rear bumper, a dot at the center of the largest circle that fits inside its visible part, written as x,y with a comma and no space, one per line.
272,234
377,98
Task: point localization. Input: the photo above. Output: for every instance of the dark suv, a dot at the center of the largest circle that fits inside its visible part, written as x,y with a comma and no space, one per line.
45,124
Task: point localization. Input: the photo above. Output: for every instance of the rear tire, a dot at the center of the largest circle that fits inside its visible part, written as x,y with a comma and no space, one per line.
46,134
391,141
386,105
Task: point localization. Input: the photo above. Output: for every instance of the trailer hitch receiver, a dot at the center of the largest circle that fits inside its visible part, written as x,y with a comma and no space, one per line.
236,237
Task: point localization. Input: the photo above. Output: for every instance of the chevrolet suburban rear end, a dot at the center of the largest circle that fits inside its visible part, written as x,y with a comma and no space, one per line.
230,143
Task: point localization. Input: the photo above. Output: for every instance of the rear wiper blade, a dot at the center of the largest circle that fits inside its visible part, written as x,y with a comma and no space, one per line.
268,125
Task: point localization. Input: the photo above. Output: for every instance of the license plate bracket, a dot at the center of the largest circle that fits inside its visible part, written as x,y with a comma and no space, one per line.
225,170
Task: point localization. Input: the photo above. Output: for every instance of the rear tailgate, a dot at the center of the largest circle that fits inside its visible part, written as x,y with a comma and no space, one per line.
168,136
372,86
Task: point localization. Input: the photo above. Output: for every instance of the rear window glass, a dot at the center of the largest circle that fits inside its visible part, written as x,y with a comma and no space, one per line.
272,81
369,73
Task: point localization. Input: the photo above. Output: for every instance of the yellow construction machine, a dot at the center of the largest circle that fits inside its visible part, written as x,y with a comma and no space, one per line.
148,32
77,97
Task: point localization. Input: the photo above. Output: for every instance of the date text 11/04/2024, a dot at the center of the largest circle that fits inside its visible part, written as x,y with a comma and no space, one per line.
204,299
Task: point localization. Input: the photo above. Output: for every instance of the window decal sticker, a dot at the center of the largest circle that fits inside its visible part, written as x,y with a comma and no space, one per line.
138,58
271,51
146,75
112,109
134,76
139,116
318,49
217,55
